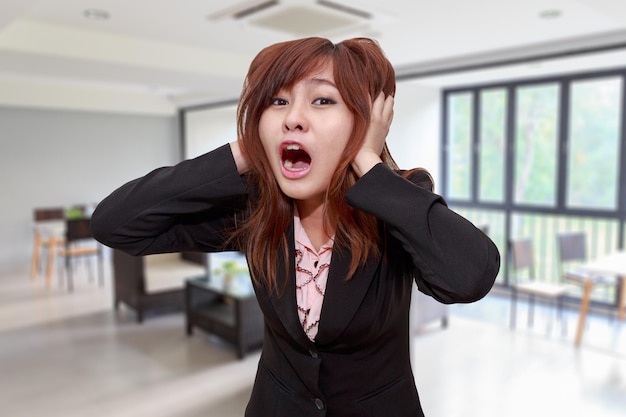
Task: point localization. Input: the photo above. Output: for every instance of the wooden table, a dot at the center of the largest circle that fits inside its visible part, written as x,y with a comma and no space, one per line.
612,264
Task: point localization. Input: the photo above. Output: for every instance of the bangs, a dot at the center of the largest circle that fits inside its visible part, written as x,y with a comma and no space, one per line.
291,71
301,69
284,64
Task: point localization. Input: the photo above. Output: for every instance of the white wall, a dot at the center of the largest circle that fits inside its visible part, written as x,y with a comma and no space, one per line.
60,158
415,134
209,128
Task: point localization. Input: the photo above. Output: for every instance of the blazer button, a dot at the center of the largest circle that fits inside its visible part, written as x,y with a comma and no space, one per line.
319,404
314,354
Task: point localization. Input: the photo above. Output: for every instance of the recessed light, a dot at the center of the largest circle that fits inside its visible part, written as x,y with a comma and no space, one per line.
96,14
550,14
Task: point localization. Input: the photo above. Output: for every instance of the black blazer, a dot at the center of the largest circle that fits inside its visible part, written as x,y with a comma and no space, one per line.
359,365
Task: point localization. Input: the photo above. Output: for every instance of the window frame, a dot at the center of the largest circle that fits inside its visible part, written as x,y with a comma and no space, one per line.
508,208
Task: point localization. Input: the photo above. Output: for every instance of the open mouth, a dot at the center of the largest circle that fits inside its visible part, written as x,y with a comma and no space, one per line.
294,158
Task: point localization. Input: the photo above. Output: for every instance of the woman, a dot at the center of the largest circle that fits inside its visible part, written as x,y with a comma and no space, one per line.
334,234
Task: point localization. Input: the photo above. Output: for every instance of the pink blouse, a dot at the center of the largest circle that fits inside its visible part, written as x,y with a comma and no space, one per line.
311,276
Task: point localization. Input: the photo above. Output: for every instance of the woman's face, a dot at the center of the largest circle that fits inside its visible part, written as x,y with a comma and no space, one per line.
304,132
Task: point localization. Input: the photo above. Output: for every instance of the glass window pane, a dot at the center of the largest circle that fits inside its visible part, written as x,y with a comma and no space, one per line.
594,145
459,145
492,145
536,145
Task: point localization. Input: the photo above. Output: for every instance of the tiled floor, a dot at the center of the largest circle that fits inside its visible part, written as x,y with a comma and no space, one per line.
71,355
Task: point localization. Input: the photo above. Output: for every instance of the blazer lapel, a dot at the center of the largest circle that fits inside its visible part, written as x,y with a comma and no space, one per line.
285,305
343,297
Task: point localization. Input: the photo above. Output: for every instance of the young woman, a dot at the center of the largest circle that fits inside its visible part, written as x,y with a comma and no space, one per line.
335,235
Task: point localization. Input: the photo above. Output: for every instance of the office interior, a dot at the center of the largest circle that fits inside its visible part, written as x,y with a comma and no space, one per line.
82,113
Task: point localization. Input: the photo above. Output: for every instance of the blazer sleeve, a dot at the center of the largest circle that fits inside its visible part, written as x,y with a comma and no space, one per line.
184,207
455,261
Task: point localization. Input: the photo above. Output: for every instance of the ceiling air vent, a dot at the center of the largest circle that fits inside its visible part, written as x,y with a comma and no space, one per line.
298,17
255,9
243,9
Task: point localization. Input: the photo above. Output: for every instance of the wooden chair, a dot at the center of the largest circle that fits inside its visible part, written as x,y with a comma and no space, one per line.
524,280
79,243
48,229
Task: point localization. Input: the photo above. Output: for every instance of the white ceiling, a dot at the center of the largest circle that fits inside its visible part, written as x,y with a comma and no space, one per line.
154,56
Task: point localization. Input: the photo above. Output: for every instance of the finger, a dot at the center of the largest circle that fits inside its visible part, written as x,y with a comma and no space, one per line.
388,106
378,103
387,110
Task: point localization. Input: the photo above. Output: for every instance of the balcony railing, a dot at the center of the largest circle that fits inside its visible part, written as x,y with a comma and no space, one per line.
603,237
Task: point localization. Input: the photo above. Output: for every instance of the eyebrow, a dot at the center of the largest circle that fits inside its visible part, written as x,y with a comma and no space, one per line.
323,81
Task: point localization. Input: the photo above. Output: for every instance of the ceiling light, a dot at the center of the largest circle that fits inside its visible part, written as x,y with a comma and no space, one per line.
550,14
96,14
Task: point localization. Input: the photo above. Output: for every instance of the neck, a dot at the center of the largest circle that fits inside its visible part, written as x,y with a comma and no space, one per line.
312,219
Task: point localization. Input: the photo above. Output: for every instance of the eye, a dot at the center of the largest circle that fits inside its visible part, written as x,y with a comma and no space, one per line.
324,101
277,101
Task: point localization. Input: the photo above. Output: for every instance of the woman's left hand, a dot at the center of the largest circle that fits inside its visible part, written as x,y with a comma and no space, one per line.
380,121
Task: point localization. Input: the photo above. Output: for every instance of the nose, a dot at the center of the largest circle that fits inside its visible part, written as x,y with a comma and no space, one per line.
295,117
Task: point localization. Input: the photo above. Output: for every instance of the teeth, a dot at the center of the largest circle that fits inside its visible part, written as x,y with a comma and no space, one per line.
293,164
289,165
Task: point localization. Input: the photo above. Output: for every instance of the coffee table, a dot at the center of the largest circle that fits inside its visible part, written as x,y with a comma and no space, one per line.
232,313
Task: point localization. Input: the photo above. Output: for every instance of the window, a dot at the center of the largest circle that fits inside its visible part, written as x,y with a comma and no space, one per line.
594,144
460,145
536,145
492,145
534,158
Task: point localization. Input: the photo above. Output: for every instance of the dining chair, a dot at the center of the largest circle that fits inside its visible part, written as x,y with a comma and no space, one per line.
525,281
79,243
48,234
572,248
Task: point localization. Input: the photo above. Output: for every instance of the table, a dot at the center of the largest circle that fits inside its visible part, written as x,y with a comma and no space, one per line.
612,264
49,234
231,313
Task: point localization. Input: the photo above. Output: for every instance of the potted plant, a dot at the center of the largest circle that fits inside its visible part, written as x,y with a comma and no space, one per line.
228,271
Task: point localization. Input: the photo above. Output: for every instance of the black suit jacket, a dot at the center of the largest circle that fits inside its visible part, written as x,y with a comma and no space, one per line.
359,365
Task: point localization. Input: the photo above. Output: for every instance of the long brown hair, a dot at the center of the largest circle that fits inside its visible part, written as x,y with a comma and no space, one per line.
361,72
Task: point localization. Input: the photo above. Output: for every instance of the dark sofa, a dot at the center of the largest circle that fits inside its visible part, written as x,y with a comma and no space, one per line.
154,283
